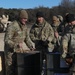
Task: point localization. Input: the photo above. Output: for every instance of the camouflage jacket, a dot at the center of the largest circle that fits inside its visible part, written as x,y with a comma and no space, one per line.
68,42
42,32
15,34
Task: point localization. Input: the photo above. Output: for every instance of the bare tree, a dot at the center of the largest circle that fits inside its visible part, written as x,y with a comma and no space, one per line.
66,6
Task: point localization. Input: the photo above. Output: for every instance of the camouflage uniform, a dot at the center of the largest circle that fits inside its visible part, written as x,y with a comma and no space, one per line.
68,44
16,33
42,34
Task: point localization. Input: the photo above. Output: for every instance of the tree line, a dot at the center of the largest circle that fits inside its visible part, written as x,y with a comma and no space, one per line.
66,6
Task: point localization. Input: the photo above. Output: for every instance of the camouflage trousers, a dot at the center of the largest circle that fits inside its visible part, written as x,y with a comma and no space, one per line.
8,63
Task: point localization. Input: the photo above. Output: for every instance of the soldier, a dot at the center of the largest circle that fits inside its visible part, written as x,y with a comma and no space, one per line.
57,22
42,35
68,43
15,37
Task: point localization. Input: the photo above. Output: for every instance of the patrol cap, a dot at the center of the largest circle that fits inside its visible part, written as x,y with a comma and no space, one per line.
70,18
23,14
39,14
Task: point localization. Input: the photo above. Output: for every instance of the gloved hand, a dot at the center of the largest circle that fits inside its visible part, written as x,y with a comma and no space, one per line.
19,48
50,50
64,54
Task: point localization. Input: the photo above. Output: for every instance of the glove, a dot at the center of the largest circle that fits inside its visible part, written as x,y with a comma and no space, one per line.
64,55
50,50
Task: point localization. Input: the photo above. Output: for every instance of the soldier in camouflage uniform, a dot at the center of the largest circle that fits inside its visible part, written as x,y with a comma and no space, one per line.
57,22
15,36
42,34
68,42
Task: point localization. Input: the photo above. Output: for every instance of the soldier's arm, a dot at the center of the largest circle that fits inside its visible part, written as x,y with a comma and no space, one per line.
32,34
65,41
51,34
28,40
9,35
